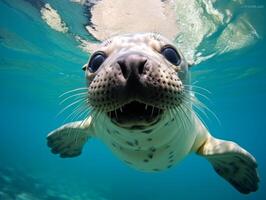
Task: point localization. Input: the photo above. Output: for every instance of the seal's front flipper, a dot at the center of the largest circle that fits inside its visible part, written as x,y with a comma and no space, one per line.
233,163
69,139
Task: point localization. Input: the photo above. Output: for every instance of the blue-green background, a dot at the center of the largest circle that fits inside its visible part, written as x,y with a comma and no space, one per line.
37,64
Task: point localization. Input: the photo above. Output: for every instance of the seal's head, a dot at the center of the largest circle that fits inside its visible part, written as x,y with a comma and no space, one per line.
134,79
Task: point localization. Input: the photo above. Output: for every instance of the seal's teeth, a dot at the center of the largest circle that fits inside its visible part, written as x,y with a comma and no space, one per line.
146,106
135,111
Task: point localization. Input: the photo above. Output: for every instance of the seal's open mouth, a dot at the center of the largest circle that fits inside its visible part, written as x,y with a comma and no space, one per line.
135,114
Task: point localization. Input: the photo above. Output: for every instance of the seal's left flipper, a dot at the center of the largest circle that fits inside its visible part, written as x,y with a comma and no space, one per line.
69,139
232,162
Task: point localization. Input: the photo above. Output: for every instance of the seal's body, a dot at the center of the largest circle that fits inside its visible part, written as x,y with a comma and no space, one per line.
141,101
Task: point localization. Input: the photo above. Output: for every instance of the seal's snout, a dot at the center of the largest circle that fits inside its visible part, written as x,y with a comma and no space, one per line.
132,66
135,80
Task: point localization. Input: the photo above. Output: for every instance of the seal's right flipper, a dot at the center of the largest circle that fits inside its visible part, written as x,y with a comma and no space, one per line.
69,139
233,163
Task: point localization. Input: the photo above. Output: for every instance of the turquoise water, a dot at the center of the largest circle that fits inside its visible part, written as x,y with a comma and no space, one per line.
38,64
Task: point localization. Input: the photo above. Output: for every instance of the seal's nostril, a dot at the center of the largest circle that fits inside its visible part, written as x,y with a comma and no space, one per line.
124,68
141,66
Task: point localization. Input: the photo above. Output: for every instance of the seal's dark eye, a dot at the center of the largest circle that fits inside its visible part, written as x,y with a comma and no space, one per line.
171,55
96,60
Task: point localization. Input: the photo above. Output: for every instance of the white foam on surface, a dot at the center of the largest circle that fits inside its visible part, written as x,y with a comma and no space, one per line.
191,24
115,17
236,36
53,19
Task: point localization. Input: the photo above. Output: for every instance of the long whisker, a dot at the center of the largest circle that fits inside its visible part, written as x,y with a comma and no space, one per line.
97,114
198,87
70,105
198,116
183,120
84,112
180,119
83,94
87,111
195,105
74,90
78,109
209,110
91,113
198,104
182,108
197,93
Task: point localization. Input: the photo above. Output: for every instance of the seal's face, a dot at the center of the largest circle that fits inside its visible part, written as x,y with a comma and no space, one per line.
134,79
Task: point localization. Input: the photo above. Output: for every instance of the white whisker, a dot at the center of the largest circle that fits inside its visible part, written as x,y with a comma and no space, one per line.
76,110
70,105
74,90
85,112
198,93
83,94
196,106
197,87
201,107
79,113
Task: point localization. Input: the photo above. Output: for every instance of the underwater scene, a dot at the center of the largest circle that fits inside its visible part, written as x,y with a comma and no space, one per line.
45,43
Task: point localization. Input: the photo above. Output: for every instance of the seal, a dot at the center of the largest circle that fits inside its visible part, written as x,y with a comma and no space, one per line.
141,104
